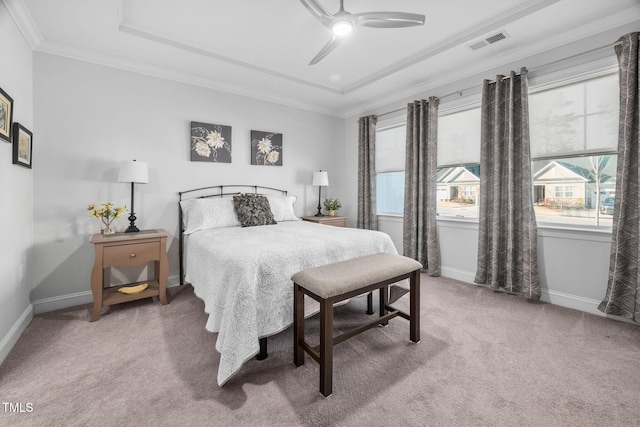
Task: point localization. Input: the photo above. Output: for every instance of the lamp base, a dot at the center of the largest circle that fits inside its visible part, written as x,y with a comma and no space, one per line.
319,214
132,224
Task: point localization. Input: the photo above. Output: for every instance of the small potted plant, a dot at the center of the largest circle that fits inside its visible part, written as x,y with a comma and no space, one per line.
106,213
331,206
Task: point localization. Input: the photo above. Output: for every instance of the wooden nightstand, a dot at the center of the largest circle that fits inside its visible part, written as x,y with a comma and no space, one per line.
338,221
127,250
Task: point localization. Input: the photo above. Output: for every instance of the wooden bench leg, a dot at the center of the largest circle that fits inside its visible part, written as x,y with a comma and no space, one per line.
326,348
414,307
370,303
298,325
384,301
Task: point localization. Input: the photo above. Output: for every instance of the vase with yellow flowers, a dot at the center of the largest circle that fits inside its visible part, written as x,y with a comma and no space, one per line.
106,213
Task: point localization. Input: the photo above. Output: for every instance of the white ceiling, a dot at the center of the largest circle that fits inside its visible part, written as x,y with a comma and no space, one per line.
262,48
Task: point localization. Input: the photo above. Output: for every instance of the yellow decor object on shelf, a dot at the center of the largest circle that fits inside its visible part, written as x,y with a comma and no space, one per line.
133,289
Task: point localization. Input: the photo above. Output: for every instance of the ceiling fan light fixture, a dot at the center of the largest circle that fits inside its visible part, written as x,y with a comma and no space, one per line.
342,27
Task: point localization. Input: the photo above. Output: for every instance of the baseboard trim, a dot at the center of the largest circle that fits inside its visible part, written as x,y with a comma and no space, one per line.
79,298
15,332
575,302
60,302
562,299
461,275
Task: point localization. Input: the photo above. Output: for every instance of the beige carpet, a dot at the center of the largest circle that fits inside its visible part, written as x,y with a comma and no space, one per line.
485,359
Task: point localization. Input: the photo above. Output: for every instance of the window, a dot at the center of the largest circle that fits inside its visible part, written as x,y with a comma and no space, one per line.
576,118
458,186
574,131
459,145
575,190
390,193
390,151
564,191
458,191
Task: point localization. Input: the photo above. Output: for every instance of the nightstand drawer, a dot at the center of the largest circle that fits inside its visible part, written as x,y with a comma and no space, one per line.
131,254
336,221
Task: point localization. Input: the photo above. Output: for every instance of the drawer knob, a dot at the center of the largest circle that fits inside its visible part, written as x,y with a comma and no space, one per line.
132,255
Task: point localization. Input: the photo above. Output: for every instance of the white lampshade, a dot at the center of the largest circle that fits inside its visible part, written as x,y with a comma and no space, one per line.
320,178
133,171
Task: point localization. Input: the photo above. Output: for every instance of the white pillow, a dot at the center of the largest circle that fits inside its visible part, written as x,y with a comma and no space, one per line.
209,213
282,207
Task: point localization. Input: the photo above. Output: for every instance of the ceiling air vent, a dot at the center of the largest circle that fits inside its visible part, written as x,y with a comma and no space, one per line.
487,41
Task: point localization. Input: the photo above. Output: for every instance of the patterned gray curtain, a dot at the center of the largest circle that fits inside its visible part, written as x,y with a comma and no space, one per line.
507,241
623,297
367,217
420,235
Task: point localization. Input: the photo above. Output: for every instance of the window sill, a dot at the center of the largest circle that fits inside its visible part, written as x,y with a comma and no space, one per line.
591,234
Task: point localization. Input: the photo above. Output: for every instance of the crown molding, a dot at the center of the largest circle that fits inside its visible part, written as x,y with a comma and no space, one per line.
24,21
125,64
590,27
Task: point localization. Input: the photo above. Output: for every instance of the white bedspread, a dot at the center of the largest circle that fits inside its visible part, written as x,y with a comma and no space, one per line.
243,275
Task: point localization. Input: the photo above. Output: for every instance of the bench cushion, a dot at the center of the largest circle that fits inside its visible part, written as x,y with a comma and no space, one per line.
336,279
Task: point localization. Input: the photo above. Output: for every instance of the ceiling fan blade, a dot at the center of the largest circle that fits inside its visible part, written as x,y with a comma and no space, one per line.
318,11
332,44
389,19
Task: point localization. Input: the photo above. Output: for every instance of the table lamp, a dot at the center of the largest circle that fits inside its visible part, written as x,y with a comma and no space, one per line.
133,172
321,179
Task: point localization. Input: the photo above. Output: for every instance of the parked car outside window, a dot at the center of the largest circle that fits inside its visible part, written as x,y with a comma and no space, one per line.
606,207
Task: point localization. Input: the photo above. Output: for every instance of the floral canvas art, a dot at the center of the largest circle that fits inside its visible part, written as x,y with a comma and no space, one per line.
210,143
266,148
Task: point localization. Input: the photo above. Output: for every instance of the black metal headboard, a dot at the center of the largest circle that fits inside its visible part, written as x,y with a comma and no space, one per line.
215,191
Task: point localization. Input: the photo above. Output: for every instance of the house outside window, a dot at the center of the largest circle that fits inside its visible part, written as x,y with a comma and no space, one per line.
458,190
574,130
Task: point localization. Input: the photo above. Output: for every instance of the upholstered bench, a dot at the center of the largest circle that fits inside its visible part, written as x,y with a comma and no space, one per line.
333,283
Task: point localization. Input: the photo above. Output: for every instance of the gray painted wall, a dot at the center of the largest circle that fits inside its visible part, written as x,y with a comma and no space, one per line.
91,118
16,190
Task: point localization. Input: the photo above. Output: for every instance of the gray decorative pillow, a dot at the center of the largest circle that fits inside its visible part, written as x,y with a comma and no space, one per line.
252,210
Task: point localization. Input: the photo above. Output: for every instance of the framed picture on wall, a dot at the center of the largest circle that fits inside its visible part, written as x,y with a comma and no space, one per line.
210,143
22,145
266,148
6,115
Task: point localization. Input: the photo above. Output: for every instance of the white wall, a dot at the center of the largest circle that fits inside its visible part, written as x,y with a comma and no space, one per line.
16,190
91,117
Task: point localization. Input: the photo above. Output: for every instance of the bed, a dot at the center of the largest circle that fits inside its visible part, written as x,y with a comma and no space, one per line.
243,273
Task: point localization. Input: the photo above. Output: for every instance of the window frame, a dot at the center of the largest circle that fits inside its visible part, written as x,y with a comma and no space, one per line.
550,83
558,83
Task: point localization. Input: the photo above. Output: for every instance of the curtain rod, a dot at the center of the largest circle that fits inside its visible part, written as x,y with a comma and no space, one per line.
539,67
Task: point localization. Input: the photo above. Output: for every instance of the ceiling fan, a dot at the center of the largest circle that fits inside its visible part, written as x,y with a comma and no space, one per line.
342,23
